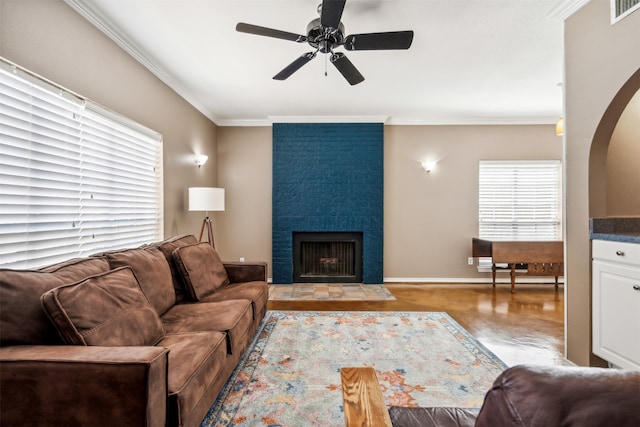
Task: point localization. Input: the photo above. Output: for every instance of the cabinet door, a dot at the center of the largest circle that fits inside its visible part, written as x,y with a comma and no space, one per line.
616,313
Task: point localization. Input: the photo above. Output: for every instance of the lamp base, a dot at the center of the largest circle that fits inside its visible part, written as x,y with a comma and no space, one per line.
207,223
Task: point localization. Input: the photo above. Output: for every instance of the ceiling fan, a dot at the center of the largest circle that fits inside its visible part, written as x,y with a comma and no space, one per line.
325,34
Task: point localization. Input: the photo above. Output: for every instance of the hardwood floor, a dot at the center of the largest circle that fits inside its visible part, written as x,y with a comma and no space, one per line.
524,327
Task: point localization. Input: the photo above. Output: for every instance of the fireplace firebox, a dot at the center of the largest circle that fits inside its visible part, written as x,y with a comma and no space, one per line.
327,257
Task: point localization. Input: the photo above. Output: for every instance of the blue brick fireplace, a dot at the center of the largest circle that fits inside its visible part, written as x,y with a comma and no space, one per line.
328,177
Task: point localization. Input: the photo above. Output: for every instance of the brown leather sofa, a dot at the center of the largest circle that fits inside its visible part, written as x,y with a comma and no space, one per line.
138,337
542,396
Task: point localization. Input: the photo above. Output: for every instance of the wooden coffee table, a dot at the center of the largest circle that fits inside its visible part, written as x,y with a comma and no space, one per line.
363,401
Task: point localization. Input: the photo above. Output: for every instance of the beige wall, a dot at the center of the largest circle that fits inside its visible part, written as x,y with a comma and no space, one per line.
50,39
600,60
244,171
430,218
622,172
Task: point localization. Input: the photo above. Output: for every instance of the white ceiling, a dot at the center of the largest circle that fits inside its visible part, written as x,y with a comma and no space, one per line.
472,61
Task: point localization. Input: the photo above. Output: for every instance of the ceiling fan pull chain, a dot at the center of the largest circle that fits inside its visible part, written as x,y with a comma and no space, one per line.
326,59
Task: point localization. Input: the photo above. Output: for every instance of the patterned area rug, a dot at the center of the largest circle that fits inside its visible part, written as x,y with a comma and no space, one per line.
330,292
291,375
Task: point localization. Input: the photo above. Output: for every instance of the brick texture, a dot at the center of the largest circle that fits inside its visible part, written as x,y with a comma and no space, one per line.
328,177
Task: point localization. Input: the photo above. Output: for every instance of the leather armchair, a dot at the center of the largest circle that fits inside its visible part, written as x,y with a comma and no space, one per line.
543,396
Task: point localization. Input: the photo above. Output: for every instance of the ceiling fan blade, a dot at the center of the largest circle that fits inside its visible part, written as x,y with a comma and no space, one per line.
331,13
346,68
270,32
294,66
379,41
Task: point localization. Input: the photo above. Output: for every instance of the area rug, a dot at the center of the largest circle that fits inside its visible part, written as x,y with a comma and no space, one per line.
330,292
290,376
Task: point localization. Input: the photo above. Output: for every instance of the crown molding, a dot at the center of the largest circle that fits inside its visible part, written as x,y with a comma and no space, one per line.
565,8
471,121
301,119
328,119
244,122
102,23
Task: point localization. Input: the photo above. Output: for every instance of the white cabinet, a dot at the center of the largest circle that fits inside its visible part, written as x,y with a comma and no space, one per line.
616,302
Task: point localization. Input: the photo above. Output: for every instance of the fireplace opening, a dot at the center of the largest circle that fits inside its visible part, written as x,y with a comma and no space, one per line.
327,257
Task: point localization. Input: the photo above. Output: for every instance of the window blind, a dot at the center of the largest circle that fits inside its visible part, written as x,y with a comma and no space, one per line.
75,178
622,8
520,200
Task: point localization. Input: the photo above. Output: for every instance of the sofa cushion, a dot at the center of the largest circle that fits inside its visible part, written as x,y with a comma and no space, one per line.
201,269
234,317
167,247
256,292
22,320
152,271
108,309
197,365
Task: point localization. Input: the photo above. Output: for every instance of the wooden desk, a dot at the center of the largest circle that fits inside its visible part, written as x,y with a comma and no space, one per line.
484,249
363,401
536,258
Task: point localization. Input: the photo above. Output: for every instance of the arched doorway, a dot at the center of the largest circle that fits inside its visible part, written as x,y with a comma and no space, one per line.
604,199
614,160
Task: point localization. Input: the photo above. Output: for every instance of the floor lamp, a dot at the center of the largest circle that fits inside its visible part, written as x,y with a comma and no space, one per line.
207,199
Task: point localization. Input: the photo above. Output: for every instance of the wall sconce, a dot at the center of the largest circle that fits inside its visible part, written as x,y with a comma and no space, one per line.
560,126
428,165
201,159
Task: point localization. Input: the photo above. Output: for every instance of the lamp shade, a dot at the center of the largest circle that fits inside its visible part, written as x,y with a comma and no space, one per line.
206,199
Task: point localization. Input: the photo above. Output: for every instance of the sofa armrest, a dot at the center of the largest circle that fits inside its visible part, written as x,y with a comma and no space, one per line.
562,396
239,272
83,386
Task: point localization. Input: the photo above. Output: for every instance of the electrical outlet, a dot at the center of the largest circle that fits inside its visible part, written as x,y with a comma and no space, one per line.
241,259
470,260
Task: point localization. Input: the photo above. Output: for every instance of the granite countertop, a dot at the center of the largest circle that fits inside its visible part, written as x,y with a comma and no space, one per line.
626,229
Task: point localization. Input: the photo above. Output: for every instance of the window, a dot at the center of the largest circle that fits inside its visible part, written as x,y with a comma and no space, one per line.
622,8
75,178
520,200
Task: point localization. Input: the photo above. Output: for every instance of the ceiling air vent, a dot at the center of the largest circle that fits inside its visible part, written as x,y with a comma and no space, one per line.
622,8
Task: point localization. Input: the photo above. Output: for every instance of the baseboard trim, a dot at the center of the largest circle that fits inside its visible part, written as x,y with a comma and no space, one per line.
472,280
464,280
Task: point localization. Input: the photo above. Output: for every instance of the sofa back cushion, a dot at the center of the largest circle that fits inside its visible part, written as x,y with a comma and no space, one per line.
167,247
201,269
153,273
22,320
108,309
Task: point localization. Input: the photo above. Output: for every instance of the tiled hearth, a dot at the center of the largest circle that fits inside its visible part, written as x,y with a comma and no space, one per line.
330,292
